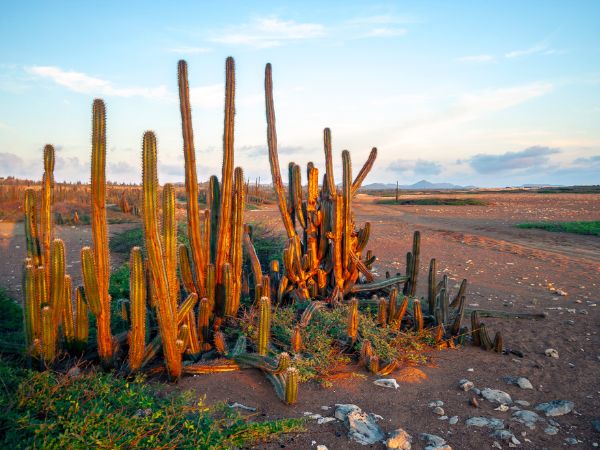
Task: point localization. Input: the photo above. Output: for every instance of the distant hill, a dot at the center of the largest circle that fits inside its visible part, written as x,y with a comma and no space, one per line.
422,185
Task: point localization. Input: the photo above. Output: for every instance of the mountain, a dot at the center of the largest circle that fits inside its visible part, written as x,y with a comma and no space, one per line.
422,185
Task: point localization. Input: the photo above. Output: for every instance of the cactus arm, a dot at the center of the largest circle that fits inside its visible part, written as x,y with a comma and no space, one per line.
273,156
169,235
224,239
68,322
254,261
31,231
82,327
347,205
237,226
32,308
191,180
185,269
364,171
431,285
214,203
137,299
57,279
48,335
328,162
160,283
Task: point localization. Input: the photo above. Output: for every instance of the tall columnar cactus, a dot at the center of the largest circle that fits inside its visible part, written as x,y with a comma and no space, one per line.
82,327
32,310
167,316
264,326
291,386
95,263
191,179
66,310
353,318
46,207
137,301
31,229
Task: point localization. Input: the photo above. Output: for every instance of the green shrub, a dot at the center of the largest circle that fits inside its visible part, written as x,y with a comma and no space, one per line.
433,201
100,410
589,228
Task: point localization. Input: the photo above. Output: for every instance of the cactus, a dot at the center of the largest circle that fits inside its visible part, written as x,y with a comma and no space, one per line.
137,300
156,260
418,315
431,293
264,326
353,318
475,328
95,263
291,386
498,343
486,343
67,319
48,333
382,312
296,341
203,324
82,327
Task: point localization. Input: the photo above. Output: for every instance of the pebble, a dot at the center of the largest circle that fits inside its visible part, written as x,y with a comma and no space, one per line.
322,447
432,439
571,441
443,418
524,383
527,418
556,408
466,385
387,382
522,402
474,402
596,425
362,427
496,395
551,430
435,403
490,422
453,420
438,410
552,353
399,439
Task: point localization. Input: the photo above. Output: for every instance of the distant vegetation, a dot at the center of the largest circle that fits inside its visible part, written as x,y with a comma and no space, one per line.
570,190
432,201
591,227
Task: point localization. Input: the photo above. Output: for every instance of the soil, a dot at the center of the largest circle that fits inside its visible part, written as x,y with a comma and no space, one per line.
507,268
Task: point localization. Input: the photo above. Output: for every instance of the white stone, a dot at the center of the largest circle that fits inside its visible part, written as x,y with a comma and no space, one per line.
399,439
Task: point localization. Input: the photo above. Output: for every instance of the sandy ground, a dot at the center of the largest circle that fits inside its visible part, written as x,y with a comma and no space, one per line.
507,268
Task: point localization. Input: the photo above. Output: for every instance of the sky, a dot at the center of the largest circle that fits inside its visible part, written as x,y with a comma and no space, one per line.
467,92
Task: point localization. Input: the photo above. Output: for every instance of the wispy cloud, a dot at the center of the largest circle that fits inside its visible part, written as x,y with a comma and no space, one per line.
189,50
538,48
266,32
385,32
533,158
477,58
86,84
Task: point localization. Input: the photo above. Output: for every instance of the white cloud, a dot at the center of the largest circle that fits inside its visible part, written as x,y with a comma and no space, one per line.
189,50
268,32
86,84
538,48
476,58
208,97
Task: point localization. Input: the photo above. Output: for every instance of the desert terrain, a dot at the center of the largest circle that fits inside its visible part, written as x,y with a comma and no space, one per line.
508,269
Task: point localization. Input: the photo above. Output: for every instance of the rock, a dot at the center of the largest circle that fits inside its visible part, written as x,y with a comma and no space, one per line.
502,408
324,420
322,447
438,410
596,425
476,391
443,418
524,383
465,384
496,444
527,418
496,395
490,422
522,402
453,420
435,403
438,447
387,382
552,353
571,441
342,410
325,408
474,402
503,435
362,427
551,430
556,408
240,406
399,439
432,440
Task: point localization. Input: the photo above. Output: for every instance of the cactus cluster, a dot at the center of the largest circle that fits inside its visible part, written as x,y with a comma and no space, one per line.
184,299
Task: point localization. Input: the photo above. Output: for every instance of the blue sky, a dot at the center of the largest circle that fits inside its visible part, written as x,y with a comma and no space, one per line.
483,93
